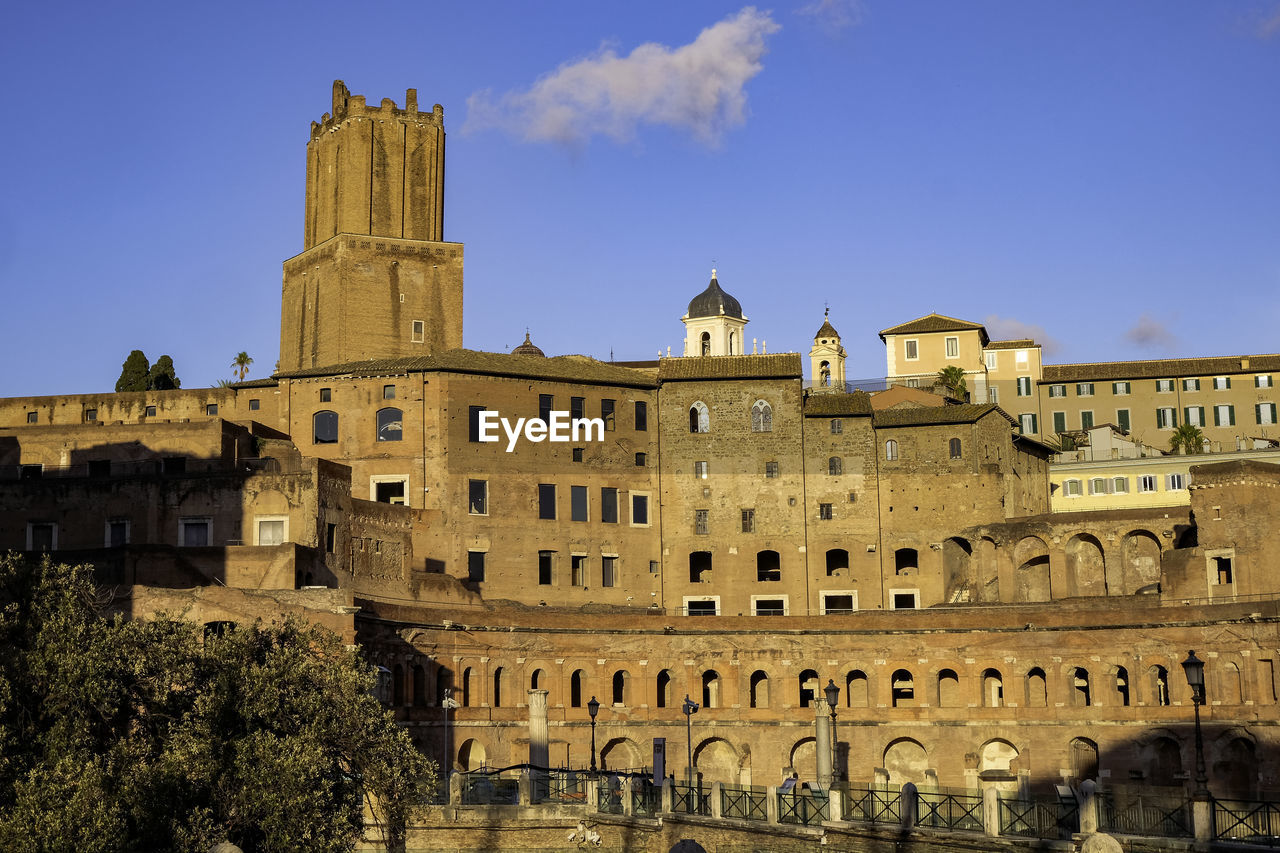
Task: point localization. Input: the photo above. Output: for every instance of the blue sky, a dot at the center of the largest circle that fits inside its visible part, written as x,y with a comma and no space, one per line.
1105,175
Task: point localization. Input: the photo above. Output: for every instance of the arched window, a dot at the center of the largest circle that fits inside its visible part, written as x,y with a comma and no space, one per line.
808,687
444,681
835,466
664,688
759,689
575,689
905,561
761,417
1080,687
954,447
419,687
706,343
621,679
699,418
890,450
992,689
768,566
397,685
856,692
1122,685
1037,690
1160,684
497,687
535,680
711,689
389,424
465,699
837,560
824,374
733,338
324,427
904,689
948,689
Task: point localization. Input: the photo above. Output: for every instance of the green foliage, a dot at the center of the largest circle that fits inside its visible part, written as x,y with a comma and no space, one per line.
1187,439
951,378
241,364
146,735
133,373
163,377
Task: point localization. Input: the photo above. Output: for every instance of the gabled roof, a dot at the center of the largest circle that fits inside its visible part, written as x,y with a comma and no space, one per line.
1172,368
780,366
927,415
564,368
826,405
1020,343
936,323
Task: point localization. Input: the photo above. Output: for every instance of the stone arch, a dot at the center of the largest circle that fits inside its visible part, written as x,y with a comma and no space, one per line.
699,417
903,689
419,686
1230,683
804,758
1158,684
857,689
1037,688
621,753
538,680
471,755
997,765
1084,759
468,679
992,688
957,570
948,689
1123,686
1031,579
808,683
1080,686
759,689
1235,765
444,684
716,760
988,580
499,686
761,416
664,691
1160,756
837,562
621,687
906,760
1141,562
906,561
711,689
1086,565
577,687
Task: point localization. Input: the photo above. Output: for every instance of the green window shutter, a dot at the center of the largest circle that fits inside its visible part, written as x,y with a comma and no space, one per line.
1231,413
1228,383
1257,413
1059,421
1186,414
1086,420
1202,420
1217,416
1122,419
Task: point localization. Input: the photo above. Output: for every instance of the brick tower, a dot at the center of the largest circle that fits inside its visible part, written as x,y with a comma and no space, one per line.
375,278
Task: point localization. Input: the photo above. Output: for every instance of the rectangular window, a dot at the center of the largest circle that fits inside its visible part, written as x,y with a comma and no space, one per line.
608,571
1024,386
473,422
330,538
1059,422
769,606
904,599
701,523
609,506
1120,485
1121,389
578,503
578,570
639,510
1191,385
837,426
641,459
1175,482
1194,415
700,470
389,393
1086,420
839,602
1122,419
194,532
117,533
1262,380
1084,389
953,347
1147,483
546,402
211,409
478,497
42,536
150,411
1222,383
993,395
703,607
824,512
1020,359
642,415
655,567
771,470
547,501
1098,486
475,566
1071,488
271,531
1164,386
1166,418
1224,416
1265,413
419,331
577,454
748,521
606,414
577,405
33,417
991,360
254,405
1057,390
1028,423
90,415
912,349
326,395
546,560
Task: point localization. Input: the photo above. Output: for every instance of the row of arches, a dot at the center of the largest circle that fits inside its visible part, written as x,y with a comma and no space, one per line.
388,425
761,417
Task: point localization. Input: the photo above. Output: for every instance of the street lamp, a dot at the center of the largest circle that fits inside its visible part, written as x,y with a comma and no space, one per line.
833,698
1194,668
593,708
690,708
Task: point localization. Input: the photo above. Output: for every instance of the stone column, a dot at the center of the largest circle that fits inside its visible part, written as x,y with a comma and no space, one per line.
1088,807
822,745
539,754
991,811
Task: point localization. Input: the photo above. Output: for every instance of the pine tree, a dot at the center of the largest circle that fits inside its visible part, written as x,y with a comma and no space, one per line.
133,373
162,376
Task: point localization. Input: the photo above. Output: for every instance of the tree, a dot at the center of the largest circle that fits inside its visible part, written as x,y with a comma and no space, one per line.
1186,438
163,377
241,364
145,735
133,373
951,378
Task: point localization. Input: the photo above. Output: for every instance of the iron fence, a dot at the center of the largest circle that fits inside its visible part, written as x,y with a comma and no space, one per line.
646,797
691,799
874,805
748,802
609,795
1164,815
946,810
805,808
1247,821
560,786
489,789
1039,818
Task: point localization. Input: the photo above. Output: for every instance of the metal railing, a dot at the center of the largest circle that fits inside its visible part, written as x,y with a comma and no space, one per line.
609,796
1039,818
1247,821
947,810
874,805
805,808
489,789
691,799
748,802
1164,815
646,798
561,786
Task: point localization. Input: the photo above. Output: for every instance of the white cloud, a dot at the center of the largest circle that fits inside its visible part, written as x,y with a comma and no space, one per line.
1010,329
1150,333
1270,25
833,15
699,87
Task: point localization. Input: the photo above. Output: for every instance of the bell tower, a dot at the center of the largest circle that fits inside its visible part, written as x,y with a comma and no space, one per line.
375,279
714,323
826,358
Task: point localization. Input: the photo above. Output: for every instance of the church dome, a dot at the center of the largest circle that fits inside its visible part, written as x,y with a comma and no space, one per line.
713,302
528,348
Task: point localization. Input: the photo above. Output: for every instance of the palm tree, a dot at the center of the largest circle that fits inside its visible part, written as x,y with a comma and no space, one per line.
241,364
1187,438
951,378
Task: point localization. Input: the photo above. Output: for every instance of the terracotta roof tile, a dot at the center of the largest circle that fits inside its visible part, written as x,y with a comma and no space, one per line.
926,415
1021,343
935,323
826,405
565,368
781,366
1171,368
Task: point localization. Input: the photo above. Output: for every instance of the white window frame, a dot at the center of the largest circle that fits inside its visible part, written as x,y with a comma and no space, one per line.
418,331
1084,389
185,520
786,603
1020,359
1145,480
53,540
1024,386
991,360
993,394
1225,408
1121,389
894,593
1058,390
952,346
1163,422
700,598
1265,410
1022,423
907,346
1176,482
377,479
1099,486
257,527
1119,485
1194,415
1190,384
1072,488
700,469
1262,380
853,593
631,506
1164,386
106,530
1222,383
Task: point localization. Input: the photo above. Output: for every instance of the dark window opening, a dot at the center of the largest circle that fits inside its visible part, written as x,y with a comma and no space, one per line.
324,427
33,417
545,561
390,424
701,608
330,538
768,566
578,570
577,405
701,522
99,467
904,601
578,503
748,521
641,459
639,509
904,689
547,501
577,454
905,561
390,492
771,470
174,465
31,472
254,405
546,402
326,395
478,497
837,561
211,409
150,411
838,603
117,533
609,506
699,567
1222,567
606,414
953,447
824,512
473,422
475,566
90,414
608,571
642,415
771,607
